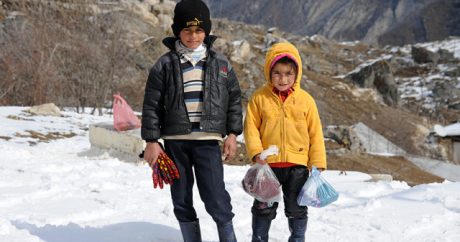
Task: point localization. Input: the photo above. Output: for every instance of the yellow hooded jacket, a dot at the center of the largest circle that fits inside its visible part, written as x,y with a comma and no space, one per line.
294,126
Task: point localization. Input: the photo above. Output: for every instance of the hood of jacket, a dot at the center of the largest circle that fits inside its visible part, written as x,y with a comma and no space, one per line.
278,51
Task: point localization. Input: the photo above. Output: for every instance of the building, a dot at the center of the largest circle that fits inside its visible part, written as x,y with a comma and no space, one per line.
451,137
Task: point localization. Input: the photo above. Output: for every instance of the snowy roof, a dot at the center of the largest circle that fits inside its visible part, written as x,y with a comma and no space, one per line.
449,130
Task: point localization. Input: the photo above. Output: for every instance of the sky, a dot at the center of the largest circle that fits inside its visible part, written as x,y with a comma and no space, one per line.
64,190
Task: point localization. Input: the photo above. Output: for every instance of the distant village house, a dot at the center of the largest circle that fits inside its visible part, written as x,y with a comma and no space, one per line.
451,138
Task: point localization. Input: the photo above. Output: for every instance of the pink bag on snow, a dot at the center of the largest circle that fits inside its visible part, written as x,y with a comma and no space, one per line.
123,116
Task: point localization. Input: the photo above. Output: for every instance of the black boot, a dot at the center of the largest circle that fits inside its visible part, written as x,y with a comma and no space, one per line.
298,227
226,232
260,227
190,231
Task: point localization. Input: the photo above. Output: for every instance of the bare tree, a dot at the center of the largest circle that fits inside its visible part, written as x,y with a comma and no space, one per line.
66,51
25,61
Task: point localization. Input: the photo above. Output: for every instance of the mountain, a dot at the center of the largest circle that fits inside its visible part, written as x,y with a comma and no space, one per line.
394,22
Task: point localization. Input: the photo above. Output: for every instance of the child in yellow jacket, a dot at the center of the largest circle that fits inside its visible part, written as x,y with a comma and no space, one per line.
282,114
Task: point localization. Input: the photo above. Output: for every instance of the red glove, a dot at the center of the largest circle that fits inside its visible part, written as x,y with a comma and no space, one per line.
173,172
157,180
163,171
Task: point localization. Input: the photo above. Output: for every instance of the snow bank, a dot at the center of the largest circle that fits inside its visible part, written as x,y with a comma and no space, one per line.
55,191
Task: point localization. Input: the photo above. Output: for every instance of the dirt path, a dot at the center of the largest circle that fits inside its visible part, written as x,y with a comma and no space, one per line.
399,167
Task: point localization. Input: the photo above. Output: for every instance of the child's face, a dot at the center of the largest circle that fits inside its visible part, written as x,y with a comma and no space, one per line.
192,37
283,76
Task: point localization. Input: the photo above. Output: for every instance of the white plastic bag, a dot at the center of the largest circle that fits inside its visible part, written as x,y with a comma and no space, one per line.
271,150
316,191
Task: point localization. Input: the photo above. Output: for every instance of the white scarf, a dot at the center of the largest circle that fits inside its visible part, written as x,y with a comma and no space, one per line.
192,55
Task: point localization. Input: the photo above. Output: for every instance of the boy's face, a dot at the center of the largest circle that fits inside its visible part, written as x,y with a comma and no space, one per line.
192,37
283,76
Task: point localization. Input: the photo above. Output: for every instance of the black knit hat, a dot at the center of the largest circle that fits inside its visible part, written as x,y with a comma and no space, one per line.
191,13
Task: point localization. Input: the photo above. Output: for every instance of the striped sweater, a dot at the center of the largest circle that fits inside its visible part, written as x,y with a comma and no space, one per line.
193,91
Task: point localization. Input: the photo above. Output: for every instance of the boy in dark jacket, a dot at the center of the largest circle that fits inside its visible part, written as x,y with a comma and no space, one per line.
192,100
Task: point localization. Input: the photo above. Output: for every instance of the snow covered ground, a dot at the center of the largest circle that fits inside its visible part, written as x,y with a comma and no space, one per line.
452,46
60,191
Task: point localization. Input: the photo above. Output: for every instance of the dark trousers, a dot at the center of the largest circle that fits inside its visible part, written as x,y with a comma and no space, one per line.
291,179
204,158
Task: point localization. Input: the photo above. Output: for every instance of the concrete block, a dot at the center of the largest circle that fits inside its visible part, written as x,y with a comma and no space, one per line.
103,135
367,140
381,177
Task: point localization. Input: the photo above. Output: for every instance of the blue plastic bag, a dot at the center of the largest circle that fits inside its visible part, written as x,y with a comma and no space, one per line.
316,192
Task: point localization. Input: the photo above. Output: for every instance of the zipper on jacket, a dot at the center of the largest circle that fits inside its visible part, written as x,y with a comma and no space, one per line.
205,115
283,138
283,154
282,134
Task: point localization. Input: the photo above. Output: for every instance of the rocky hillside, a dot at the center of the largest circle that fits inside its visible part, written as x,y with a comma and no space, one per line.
399,92
395,22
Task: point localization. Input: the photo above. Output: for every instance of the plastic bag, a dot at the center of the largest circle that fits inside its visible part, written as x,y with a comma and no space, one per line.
271,150
316,191
261,183
123,116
